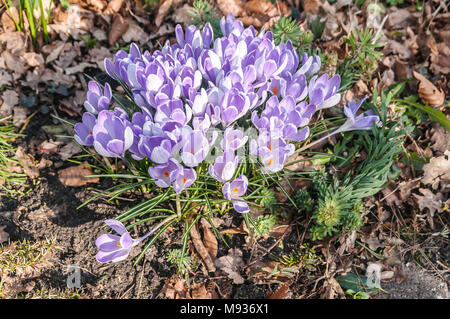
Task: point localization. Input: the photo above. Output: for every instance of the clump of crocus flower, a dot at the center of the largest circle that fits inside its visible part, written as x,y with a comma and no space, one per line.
194,102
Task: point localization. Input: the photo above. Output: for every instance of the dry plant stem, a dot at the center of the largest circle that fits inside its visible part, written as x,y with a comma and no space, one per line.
178,204
271,247
200,248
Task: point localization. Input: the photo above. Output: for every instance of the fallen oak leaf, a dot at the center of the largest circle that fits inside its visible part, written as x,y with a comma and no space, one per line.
437,171
27,163
164,8
230,6
430,201
280,293
118,28
428,92
77,176
113,6
231,265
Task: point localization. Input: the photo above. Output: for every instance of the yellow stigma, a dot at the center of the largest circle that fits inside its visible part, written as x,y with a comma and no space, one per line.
118,244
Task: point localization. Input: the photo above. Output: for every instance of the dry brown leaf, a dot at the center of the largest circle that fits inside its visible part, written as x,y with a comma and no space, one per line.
5,77
230,6
398,48
135,33
437,171
398,18
428,92
100,4
175,289
199,291
164,8
118,28
76,176
440,138
27,163
113,6
68,150
20,115
440,59
33,59
10,99
405,188
347,243
14,63
52,50
201,249
49,146
6,20
242,229
14,285
183,15
209,239
79,68
4,236
231,265
281,293
430,200
311,6
15,41
332,289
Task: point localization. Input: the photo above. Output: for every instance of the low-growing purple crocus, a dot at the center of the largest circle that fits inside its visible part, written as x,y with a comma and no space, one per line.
116,248
97,99
233,139
234,191
362,121
323,91
224,166
84,130
195,148
112,134
165,174
185,178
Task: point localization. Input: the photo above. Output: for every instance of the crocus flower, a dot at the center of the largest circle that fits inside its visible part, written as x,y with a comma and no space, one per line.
185,178
157,148
84,129
113,247
361,122
234,191
195,148
224,166
323,91
97,99
233,139
112,135
165,174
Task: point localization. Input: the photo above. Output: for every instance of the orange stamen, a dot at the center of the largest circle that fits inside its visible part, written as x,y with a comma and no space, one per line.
275,90
166,174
